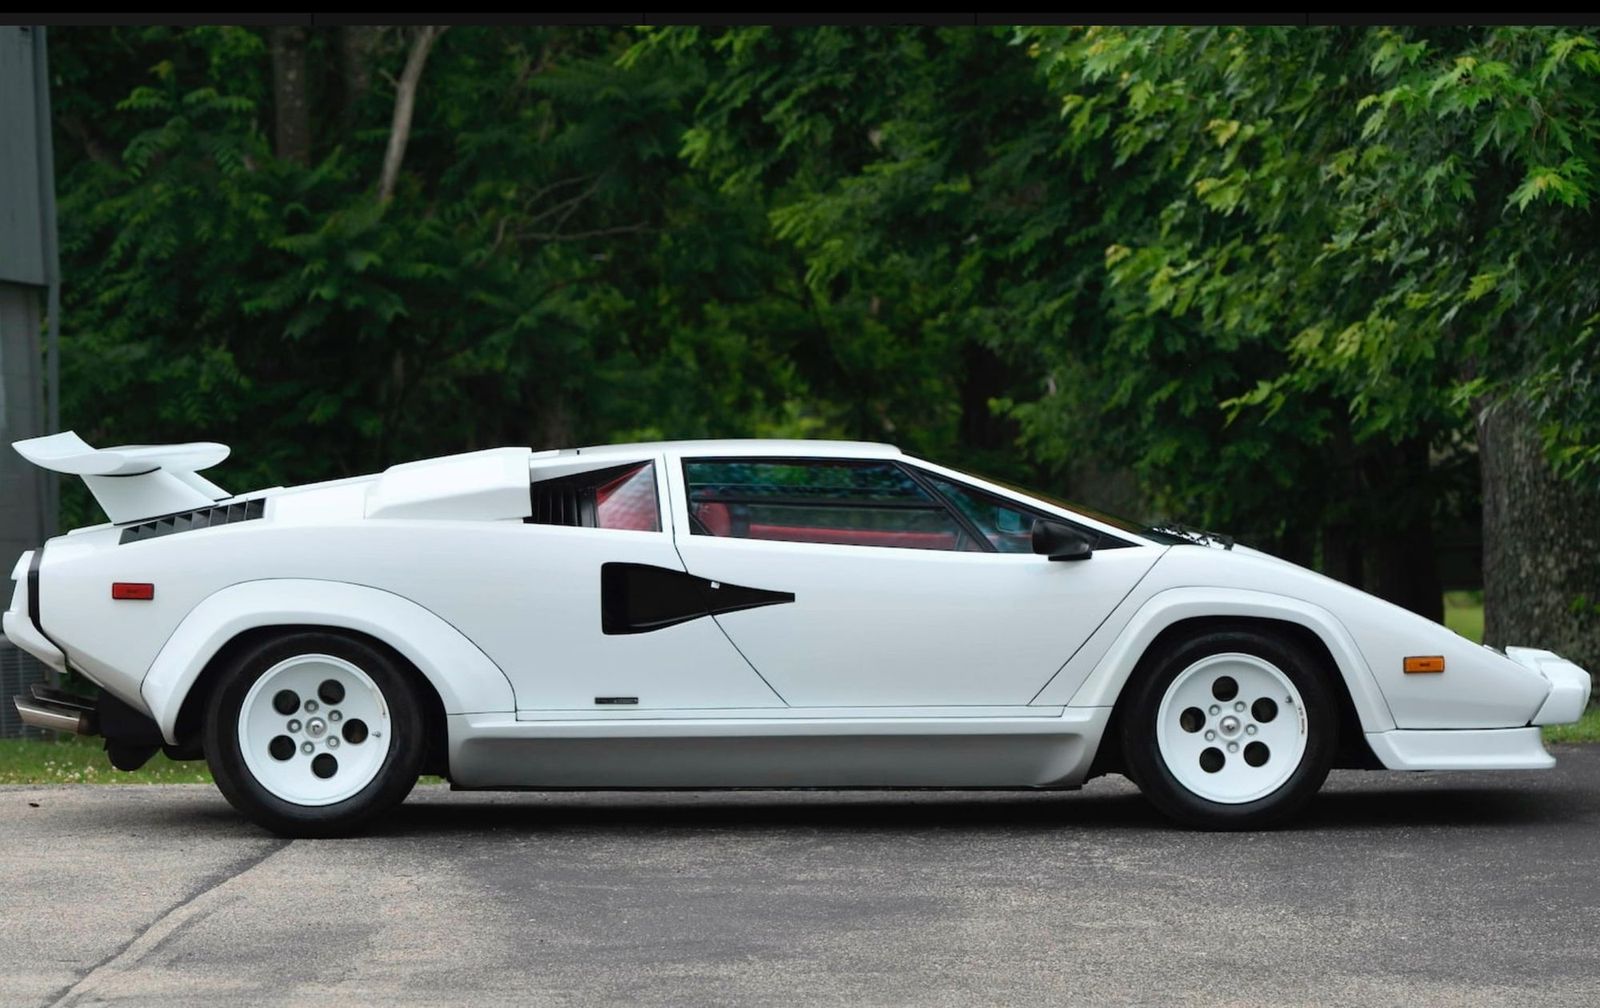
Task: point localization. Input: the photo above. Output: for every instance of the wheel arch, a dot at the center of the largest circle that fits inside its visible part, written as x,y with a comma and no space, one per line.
191,712
1186,611
459,678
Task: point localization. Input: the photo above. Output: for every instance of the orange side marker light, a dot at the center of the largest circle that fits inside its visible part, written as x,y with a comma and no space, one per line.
1424,663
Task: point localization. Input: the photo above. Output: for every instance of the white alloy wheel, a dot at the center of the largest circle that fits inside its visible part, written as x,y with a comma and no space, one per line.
1231,728
314,730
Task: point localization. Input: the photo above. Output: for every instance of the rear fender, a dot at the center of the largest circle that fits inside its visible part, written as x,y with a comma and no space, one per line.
467,681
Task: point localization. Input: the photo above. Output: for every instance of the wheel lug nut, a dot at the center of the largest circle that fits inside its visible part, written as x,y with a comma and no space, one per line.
1250,729
1211,736
1215,709
334,715
1233,747
311,706
1239,706
333,741
307,747
294,724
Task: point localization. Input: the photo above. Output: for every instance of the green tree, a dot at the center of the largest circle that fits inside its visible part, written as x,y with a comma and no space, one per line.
860,144
1405,211
928,180
1291,280
533,264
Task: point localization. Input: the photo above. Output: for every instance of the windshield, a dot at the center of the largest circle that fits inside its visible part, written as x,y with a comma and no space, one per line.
1167,533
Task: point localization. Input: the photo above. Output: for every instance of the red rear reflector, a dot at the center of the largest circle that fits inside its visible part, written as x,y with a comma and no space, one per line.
1426,663
139,591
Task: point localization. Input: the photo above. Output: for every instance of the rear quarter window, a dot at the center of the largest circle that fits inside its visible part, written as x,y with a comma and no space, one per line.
618,497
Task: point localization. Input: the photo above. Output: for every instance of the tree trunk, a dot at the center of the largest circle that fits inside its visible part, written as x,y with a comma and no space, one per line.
291,102
983,378
357,43
1399,559
1404,568
1541,543
552,423
1296,544
405,100
1341,554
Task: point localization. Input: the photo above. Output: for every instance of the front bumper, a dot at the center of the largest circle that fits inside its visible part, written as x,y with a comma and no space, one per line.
1493,748
1569,684
1461,749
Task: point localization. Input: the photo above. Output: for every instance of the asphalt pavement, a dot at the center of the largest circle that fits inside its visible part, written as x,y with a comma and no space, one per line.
1459,889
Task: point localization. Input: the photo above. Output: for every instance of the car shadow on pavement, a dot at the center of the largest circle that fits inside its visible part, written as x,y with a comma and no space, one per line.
1403,805
1355,803
1396,807
877,811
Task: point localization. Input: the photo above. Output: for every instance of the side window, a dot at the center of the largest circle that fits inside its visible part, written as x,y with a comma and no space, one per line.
629,501
621,497
818,501
1008,527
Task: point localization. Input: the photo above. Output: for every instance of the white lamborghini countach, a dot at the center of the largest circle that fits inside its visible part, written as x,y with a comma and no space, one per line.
726,614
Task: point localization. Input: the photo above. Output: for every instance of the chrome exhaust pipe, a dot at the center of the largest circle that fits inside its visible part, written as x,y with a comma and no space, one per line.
54,715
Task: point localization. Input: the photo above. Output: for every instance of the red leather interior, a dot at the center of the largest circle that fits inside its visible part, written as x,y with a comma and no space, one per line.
719,522
716,519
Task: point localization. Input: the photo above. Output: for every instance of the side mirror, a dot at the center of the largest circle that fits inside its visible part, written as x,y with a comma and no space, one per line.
1059,541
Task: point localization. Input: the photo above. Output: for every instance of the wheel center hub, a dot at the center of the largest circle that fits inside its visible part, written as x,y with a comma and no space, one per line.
1229,726
316,727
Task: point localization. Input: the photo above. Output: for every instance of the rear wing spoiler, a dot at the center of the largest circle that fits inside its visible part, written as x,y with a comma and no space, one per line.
133,482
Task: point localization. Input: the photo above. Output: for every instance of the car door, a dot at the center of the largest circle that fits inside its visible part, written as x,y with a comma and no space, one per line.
590,612
878,592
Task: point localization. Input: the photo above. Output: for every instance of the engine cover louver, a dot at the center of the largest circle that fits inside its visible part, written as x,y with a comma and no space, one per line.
188,521
556,505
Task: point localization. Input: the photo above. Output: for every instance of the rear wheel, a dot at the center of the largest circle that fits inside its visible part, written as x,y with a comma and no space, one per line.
1231,729
314,734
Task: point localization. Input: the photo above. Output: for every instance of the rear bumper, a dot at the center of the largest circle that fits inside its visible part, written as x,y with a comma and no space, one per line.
19,629
1569,684
1462,749
20,622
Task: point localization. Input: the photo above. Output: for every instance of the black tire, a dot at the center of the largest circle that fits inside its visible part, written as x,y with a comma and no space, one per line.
395,777
1142,752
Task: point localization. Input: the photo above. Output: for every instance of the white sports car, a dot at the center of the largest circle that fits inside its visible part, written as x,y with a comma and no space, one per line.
726,614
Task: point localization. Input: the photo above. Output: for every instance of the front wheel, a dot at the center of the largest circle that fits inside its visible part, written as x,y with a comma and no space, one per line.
1230,729
313,734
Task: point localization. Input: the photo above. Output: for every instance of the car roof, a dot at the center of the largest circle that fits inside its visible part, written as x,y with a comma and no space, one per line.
806,448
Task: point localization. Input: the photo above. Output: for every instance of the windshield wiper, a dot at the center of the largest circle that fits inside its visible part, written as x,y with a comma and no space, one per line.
1198,536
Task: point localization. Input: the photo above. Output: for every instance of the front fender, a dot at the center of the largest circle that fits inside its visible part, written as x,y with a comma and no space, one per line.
467,681
1110,671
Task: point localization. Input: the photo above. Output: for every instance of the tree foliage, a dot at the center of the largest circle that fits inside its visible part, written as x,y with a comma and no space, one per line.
1402,208
948,187
548,270
1273,274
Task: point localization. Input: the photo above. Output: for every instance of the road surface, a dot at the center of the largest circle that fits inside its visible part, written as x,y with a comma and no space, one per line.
1459,889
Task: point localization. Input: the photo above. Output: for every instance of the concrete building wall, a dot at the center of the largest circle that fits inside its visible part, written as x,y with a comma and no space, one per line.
24,273
22,220
26,268
21,413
